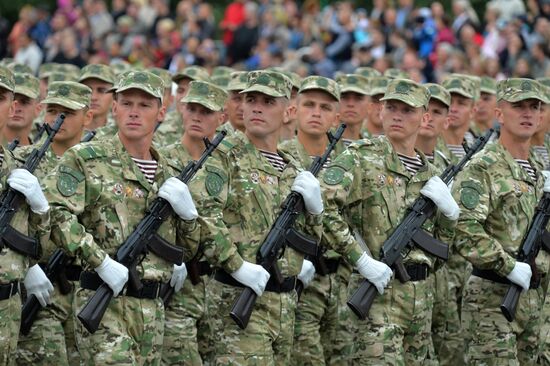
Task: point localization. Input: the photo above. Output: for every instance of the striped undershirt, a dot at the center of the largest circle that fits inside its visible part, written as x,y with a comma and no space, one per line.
1,158
412,164
326,164
457,150
528,168
275,160
347,142
543,154
148,168
429,157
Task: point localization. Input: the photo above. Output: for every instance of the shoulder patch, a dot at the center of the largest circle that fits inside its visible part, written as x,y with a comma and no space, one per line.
214,180
333,175
67,180
470,193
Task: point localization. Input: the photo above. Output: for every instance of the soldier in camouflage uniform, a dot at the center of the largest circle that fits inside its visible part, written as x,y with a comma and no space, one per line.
288,132
234,103
245,186
368,189
99,78
14,263
51,339
171,130
498,192
372,127
353,105
485,107
27,108
367,72
321,332
99,192
186,326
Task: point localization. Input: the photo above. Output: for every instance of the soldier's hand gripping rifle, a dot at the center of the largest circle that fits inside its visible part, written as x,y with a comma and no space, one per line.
409,234
281,234
11,200
144,238
536,238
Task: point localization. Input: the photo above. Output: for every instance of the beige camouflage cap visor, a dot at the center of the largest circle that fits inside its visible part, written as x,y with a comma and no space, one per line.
68,94
142,80
408,92
518,89
27,85
204,93
270,83
321,83
440,93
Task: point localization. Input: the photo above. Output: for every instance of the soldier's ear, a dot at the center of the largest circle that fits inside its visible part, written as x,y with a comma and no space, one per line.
498,115
290,114
88,117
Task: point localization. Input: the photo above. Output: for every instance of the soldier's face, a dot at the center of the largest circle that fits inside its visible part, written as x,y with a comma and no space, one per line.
460,112
373,110
102,100
137,113
520,119
73,125
263,114
234,109
485,107
7,106
432,127
353,108
181,90
401,122
316,112
200,121
25,111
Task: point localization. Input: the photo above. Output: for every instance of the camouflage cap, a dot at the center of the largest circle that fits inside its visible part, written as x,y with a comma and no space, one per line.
142,80
207,94
377,85
488,85
367,72
68,94
294,78
7,80
271,83
221,80
46,69
163,74
393,73
120,67
517,89
460,84
222,71
193,73
17,68
407,91
327,85
62,76
545,82
97,71
353,83
440,93
27,85
67,68
238,81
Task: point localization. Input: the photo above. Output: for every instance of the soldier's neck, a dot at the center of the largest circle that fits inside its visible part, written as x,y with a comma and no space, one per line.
538,139
138,148
313,144
404,147
484,125
21,135
97,121
352,131
288,131
373,129
517,147
426,144
193,146
454,136
266,143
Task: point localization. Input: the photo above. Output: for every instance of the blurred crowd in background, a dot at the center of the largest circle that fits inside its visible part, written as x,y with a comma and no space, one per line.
512,39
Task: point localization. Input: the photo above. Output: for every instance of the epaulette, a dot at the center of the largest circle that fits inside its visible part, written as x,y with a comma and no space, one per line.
90,151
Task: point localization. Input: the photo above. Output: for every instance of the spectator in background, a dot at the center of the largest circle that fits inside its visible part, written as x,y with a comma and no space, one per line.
540,62
28,53
464,14
41,28
118,9
69,52
233,17
4,32
27,18
402,18
424,32
100,18
245,35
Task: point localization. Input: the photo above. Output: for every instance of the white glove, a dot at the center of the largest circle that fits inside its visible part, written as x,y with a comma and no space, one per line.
378,273
113,274
307,273
308,186
441,195
178,276
546,175
521,275
23,181
37,284
253,276
177,194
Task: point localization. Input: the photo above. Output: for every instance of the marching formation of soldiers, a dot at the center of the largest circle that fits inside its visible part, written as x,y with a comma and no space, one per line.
125,139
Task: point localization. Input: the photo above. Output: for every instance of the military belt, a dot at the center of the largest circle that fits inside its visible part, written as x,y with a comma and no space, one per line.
492,276
288,285
331,266
150,289
8,290
418,272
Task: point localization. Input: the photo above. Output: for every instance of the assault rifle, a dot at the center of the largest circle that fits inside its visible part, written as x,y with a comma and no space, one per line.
12,145
143,239
536,238
88,136
409,234
280,235
11,200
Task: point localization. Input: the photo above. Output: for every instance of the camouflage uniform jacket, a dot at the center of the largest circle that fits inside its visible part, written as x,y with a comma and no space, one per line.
98,195
497,199
170,130
13,265
244,197
367,188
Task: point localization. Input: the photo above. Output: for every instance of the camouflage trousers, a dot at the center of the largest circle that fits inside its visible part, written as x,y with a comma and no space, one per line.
398,328
544,349
10,318
268,338
321,333
491,339
130,332
186,326
51,340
